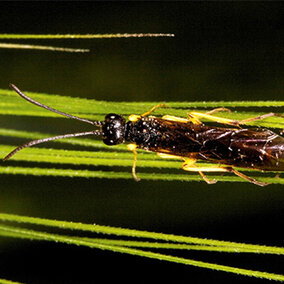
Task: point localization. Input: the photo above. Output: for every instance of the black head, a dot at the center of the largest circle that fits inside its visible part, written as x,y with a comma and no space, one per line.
113,129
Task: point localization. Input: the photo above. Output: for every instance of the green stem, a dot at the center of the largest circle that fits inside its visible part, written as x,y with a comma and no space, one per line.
81,36
135,233
124,175
139,252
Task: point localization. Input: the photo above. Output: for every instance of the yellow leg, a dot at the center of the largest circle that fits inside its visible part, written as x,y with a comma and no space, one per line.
194,117
189,165
133,147
189,162
175,118
136,117
152,109
190,118
168,156
197,115
208,115
194,168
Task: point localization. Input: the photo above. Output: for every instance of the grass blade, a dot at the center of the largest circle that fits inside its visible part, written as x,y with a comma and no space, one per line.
56,172
11,104
5,281
38,235
83,36
99,229
41,47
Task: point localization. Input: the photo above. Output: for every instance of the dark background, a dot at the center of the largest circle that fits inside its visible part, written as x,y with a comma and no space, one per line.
221,51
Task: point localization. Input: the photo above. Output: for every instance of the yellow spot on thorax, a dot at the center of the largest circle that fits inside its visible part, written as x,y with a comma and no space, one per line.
134,117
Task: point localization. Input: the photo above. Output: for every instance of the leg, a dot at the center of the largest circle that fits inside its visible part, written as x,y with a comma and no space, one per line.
209,116
277,175
260,117
188,162
189,165
152,109
218,109
252,180
194,168
180,119
168,156
194,118
197,115
135,117
133,147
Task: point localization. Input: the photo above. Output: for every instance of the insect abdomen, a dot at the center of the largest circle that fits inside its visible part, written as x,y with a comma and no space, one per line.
258,148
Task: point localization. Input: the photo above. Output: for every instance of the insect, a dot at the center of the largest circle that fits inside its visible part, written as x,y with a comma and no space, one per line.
188,139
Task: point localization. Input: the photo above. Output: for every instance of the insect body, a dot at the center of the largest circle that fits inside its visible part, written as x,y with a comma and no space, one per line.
188,139
258,148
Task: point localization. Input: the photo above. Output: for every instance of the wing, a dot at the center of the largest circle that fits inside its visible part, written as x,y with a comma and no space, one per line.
249,148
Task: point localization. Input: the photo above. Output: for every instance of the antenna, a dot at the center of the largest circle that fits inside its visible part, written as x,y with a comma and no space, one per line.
34,142
17,90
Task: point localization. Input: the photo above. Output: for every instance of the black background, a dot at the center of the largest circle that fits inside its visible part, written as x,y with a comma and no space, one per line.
221,51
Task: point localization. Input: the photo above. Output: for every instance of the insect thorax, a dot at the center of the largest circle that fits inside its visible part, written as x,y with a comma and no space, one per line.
143,132
160,135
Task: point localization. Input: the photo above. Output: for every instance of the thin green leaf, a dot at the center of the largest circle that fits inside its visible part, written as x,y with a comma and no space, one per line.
55,172
110,160
68,36
5,281
83,36
137,244
149,244
38,235
11,104
41,47
108,230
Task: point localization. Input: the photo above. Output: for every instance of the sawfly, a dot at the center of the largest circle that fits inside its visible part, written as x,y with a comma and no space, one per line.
188,138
